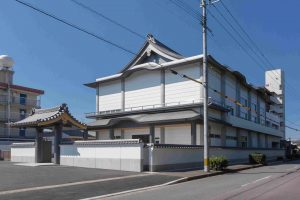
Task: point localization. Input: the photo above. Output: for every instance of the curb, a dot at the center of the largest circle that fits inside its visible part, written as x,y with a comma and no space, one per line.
186,179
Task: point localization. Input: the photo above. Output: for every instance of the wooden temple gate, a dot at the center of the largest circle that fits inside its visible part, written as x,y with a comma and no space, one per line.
56,118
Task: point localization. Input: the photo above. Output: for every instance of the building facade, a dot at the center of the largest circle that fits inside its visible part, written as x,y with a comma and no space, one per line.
146,101
16,102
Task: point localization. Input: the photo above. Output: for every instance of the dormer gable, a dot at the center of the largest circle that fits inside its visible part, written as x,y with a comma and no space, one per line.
153,51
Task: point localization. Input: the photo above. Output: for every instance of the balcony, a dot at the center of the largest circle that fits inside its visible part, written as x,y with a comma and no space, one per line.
154,107
276,108
14,116
20,101
273,118
246,124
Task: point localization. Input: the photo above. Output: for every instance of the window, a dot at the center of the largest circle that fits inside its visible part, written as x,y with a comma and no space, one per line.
244,141
22,114
231,138
244,101
214,135
275,145
244,115
254,119
22,132
253,106
23,98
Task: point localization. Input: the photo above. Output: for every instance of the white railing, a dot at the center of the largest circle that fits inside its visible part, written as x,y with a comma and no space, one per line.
155,106
146,107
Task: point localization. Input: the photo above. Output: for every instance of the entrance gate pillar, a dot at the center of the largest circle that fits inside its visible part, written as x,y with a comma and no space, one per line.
38,145
57,142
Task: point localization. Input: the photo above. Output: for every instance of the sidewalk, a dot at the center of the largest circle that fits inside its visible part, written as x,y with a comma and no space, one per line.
187,175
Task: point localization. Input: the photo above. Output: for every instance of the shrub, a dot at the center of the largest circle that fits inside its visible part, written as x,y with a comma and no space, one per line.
257,158
218,163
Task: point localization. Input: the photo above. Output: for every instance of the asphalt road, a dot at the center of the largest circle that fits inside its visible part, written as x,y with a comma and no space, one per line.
270,182
68,183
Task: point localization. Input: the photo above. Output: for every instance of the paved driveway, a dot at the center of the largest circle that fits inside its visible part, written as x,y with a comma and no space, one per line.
60,182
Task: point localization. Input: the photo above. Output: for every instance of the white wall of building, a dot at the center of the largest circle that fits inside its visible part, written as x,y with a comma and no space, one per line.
215,134
178,134
93,154
214,81
254,139
231,140
230,90
23,152
142,88
178,89
110,96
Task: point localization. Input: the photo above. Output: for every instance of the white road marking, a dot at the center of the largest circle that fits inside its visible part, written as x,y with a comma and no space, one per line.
134,190
69,184
291,168
256,181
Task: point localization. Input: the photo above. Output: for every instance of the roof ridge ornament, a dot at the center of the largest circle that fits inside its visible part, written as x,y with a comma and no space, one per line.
151,38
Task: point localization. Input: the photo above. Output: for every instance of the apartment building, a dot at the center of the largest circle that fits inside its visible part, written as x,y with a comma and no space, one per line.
16,101
146,101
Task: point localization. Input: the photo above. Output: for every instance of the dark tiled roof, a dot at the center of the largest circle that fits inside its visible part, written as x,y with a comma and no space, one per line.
39,116
156,44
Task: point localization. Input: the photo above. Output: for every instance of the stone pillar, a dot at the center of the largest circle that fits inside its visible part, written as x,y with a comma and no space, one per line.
223,136
162,135
38,145
123,94
162,87
152,134
111,134
193,132
57,142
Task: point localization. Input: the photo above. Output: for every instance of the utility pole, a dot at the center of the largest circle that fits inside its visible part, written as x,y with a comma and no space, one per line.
205,88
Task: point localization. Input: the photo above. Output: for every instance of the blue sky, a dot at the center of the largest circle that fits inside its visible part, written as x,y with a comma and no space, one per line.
59,59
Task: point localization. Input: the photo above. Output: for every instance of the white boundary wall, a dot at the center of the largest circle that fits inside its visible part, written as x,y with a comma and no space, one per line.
180,156
126,155
23,152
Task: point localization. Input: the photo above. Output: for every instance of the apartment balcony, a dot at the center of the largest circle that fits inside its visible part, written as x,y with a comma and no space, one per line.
14,116
21,101
275,119
276,108
275,99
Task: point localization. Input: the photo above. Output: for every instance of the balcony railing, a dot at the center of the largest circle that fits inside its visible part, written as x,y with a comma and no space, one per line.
20,101
154,106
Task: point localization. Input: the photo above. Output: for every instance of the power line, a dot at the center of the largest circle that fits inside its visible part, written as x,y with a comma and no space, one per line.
263,57
84,6
75,26
233,100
